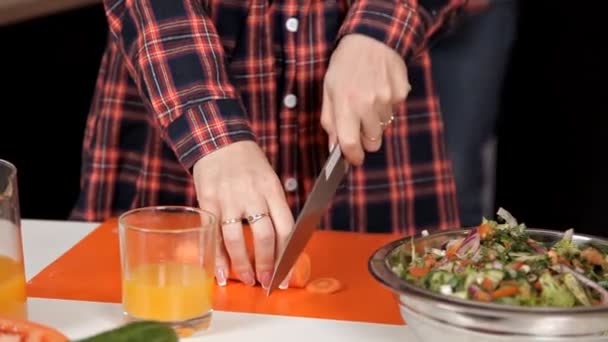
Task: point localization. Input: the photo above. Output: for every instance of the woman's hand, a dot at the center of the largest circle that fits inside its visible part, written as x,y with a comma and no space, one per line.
234,182
365,81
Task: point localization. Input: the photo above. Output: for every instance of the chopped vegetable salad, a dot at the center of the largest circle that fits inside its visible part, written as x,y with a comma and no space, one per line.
499,262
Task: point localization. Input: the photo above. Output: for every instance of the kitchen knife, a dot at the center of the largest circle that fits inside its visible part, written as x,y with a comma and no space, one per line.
322,192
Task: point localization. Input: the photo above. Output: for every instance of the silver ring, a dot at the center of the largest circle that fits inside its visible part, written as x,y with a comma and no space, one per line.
387,122
231,221
256,217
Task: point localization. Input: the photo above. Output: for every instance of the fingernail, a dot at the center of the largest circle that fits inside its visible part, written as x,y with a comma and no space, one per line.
247,278
265,279
220,276
285,284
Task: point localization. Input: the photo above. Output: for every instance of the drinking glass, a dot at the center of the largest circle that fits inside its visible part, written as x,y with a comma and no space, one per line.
168,263
13,299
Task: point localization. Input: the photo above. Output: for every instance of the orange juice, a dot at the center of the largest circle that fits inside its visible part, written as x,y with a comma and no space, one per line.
167,292
12,289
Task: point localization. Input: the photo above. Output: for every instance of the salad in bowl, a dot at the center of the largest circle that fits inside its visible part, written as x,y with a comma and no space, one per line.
500,262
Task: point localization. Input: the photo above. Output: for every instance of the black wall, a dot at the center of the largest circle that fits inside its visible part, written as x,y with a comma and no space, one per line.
551,171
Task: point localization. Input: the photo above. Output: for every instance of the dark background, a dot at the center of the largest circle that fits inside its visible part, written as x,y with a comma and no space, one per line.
550,171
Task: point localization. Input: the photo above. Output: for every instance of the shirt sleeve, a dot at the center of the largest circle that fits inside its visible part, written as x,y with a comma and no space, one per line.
174,54
407,26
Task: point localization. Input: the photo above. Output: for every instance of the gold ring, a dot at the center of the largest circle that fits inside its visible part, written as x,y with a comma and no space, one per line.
231,221
256,217
387,122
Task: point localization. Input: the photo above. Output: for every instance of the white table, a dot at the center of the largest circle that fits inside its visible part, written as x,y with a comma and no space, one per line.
45,241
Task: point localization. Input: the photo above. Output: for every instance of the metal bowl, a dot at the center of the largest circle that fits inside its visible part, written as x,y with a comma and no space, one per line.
436,317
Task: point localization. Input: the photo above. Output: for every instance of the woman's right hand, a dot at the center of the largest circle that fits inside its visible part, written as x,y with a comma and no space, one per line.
234,182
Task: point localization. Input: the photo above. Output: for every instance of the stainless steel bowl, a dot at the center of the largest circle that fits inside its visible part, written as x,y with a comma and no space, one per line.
436,317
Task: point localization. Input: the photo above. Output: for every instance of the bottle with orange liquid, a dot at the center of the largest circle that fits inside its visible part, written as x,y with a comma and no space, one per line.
156,283
13,296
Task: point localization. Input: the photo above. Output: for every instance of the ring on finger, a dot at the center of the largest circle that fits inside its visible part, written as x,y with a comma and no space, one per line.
256,217
231,221
388,122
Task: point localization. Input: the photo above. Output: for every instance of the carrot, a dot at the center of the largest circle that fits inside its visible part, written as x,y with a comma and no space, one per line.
593,256
418,271
188,252
482,296
485,231
451,252
505,291
324,286
429,261
487,284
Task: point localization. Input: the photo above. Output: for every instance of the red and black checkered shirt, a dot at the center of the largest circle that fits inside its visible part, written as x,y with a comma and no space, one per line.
182,78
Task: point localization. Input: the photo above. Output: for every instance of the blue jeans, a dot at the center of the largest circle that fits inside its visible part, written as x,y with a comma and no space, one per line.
469,67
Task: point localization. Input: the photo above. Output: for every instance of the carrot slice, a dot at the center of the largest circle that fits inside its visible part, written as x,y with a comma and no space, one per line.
418,271
505,291
487,284
324,285
484,231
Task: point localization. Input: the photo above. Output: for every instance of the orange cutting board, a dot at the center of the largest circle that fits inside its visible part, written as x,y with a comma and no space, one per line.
91,271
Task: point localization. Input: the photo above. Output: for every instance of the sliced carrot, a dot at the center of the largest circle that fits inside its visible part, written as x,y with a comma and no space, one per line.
451,252
505,291
324,285
188,252
482,296
485,231
418,271
487,284
593,256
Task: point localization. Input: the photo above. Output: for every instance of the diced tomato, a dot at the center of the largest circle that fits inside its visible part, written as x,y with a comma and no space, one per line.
518,265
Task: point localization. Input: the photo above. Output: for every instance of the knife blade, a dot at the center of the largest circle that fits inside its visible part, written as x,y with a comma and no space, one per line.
314,208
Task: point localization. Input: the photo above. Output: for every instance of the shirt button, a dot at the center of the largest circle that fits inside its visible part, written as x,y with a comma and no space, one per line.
290,101
291,184
292,24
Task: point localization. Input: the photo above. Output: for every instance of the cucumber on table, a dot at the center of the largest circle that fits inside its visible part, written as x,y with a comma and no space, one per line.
136,332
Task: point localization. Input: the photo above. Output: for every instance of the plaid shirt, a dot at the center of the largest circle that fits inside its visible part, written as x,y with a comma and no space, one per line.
180,79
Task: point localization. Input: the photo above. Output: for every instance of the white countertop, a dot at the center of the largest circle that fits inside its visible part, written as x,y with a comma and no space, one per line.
44,241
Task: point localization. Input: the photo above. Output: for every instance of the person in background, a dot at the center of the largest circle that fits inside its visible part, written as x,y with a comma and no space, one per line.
233,106
469,67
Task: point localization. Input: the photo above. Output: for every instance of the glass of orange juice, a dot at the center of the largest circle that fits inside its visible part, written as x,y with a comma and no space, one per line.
13,298
168,262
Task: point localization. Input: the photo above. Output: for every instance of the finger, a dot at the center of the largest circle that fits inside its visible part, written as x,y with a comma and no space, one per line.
371,137
400,87
222,265
263,241
234,241
348,129
283,221
327,119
